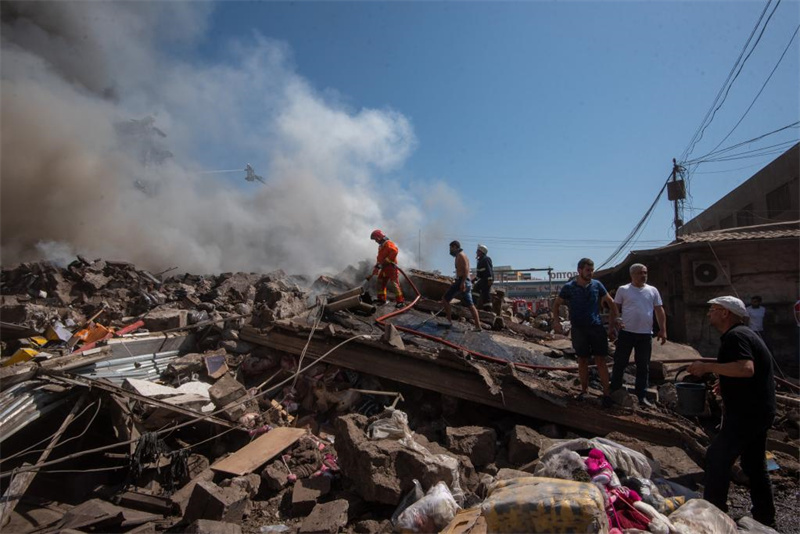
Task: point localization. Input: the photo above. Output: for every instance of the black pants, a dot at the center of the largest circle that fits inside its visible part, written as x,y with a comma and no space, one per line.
642,347
482,287
746,439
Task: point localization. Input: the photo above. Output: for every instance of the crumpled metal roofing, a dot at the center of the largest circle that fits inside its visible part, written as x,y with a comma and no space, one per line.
24,403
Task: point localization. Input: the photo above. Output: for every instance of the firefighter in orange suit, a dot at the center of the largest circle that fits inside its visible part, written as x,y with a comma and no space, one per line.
386,268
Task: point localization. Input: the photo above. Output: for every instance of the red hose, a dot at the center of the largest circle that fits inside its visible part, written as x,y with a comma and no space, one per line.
382,321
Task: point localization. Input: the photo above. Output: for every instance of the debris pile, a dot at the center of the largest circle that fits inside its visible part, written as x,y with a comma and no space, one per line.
272,403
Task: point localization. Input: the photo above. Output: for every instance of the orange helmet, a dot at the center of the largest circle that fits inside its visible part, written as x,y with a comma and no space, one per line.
377,235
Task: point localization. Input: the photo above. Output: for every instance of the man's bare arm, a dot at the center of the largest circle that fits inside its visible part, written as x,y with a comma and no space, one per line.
661,318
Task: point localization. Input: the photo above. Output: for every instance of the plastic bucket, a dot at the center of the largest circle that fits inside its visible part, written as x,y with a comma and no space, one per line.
691,398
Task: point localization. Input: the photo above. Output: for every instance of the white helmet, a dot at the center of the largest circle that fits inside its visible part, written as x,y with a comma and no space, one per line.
482,248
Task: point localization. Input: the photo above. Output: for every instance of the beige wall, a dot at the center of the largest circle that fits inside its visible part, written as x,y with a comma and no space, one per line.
784,170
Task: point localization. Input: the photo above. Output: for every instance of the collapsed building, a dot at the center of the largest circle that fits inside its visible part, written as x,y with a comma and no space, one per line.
241,402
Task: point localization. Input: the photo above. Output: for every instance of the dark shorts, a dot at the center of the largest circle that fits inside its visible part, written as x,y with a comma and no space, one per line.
464,296
589,341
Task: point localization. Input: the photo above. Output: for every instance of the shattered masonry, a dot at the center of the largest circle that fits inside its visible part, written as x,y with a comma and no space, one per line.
142,402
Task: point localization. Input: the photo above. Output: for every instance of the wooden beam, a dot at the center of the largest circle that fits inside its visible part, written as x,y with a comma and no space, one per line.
458,379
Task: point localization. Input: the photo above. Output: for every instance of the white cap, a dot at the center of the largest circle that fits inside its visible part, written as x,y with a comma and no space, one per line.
732,304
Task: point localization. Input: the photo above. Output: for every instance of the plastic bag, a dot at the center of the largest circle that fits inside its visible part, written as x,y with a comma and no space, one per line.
432,513
410,498
699,516
659,523
395,426
619,456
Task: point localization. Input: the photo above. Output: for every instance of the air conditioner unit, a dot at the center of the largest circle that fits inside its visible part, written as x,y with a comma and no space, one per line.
710,273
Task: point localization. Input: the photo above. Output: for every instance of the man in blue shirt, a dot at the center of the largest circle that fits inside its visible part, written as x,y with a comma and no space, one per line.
583,296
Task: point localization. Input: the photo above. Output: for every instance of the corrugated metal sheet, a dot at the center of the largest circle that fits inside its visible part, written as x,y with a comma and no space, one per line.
26,402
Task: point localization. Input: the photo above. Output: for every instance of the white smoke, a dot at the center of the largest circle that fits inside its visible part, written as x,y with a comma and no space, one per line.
71,71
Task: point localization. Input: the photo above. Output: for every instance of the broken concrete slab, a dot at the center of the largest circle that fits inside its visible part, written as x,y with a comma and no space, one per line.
181,497
186,365
275,476
165,319
327,518
524,445
209,501
383,470
207,526
226,390
250,484
479,444
306,492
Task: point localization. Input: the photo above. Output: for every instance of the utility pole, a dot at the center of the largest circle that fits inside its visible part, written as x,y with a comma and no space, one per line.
676,192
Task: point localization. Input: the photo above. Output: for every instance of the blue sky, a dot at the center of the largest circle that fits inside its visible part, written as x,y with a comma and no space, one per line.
556,122
543,130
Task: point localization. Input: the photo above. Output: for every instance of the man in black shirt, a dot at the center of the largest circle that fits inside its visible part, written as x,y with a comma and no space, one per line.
747,386
484,276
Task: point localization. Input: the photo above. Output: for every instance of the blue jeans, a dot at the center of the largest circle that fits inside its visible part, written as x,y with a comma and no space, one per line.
642,347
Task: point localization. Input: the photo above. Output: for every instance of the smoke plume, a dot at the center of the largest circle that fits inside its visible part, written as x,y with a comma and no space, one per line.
108,137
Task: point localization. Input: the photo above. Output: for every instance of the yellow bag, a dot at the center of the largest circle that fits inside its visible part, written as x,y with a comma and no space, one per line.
535,504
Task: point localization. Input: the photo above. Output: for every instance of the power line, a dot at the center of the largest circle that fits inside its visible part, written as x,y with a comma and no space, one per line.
789,44
702,159
693,141
639,225
728,90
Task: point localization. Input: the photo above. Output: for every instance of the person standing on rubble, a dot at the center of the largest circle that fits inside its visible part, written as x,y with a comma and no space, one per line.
638,301
756,312
386,268
462,287
583,296
747,386
484,276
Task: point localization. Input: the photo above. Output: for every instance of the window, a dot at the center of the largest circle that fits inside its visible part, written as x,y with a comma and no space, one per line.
778,200
745,216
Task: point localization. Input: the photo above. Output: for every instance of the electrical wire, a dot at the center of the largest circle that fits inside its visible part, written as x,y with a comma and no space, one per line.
693,141
703,158
763,86
638,225
28,451
180,425
728,90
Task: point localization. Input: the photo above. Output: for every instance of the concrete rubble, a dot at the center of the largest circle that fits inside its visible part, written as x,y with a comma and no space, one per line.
242,402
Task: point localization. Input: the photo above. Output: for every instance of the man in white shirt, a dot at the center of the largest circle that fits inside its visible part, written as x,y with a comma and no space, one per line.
638,302
756,312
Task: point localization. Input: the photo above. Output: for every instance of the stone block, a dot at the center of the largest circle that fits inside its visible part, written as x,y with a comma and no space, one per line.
209,501
305,493
275,476
206,526
327,518
249,484
181,497
226,390
186,365
165,319
524,445
479,444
